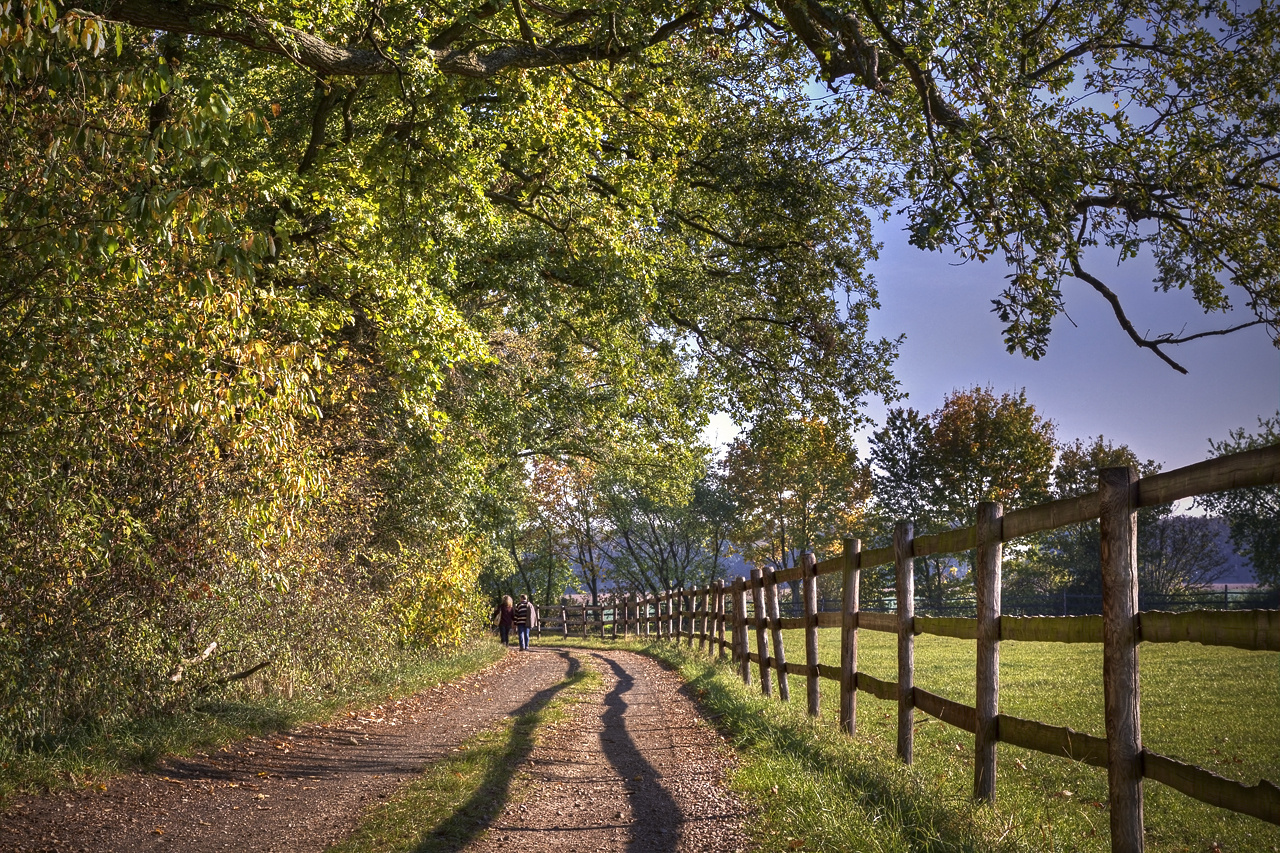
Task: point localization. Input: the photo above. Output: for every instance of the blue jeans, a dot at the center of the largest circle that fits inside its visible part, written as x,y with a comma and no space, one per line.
504,631
522,631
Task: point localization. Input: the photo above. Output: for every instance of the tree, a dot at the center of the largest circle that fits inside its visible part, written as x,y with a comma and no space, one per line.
1046,134
1178,553
1069,558
989,449
934,470
1252,515
798,486
667,539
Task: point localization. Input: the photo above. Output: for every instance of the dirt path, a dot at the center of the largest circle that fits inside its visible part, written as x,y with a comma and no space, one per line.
293,792
637,770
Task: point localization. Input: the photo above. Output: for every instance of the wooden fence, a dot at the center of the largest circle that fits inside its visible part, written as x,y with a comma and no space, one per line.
708,613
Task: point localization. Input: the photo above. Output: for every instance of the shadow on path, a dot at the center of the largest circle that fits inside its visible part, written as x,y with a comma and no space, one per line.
658,829
490,796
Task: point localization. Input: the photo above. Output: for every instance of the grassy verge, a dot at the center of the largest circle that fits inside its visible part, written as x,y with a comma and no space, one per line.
456,798
85,758
1214,707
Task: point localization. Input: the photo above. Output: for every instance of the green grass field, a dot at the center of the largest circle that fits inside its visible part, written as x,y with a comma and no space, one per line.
1216,707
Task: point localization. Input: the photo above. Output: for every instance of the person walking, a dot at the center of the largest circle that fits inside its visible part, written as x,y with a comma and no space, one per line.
504,615
525,615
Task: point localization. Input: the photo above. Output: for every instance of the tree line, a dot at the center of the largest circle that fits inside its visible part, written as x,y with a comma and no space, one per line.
296,302
780,490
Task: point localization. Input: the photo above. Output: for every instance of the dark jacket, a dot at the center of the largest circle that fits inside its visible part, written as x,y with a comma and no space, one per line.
505,615
526,613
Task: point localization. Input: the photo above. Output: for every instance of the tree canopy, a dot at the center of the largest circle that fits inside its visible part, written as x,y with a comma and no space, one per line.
293,295
1058,137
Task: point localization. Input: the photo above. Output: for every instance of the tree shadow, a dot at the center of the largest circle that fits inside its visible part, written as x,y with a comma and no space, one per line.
662,818
490,796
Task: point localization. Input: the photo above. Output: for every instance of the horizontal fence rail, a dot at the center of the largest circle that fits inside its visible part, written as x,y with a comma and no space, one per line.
711,613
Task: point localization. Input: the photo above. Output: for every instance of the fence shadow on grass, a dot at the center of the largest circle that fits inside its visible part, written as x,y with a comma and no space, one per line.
923,822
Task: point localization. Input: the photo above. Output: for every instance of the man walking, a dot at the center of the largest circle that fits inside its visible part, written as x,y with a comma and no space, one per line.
526,617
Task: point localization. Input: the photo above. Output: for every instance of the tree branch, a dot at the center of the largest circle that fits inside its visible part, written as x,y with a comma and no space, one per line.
215,20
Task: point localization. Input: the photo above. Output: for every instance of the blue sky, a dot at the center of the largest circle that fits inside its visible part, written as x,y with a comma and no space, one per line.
1094,380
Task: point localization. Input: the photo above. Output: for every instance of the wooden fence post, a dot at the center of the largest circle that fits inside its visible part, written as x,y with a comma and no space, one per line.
1118,522
670,617
689,602
703,601
809,581
849,636
762,644
773,612
564,621
718,594
987,571
585,627
904,564
740,629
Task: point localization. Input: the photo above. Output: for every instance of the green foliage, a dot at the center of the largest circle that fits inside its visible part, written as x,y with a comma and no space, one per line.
934,469
663,539
1253,515
798,486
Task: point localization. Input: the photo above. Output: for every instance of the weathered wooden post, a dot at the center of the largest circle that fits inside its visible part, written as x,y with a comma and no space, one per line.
773,612
740,629
693,615
1118,523
691,625
987,571
671,616
852,579
718,594
679,600
904,564
809,581
586,628
762,644
702,619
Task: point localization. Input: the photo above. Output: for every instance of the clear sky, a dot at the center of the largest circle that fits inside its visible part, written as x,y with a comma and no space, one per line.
1094,380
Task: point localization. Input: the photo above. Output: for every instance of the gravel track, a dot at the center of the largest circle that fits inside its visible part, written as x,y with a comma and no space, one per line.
633,768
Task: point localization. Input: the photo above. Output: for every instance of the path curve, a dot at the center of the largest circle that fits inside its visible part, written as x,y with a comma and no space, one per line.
634,769
293,792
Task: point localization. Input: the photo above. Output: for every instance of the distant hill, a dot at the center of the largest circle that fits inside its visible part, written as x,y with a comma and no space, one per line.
1239,569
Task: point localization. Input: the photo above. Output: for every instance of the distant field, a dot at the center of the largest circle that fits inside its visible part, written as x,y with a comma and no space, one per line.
1216,707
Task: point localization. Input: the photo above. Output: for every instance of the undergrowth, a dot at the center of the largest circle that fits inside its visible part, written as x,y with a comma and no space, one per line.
88,756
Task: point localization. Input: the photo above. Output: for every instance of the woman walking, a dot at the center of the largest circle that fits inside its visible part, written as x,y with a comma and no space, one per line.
504,613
